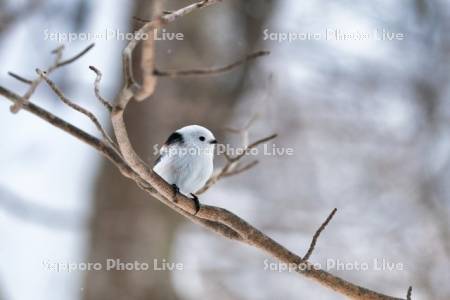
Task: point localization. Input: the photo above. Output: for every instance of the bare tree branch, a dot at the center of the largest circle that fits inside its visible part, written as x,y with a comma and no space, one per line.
148,59
102,100
20,78
244,131
232,167
210,71
35,83
241,169
317,234
254,145
78,108
75,57
409,293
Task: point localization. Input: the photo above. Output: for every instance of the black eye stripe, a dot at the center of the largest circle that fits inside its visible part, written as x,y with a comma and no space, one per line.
174,138
202,138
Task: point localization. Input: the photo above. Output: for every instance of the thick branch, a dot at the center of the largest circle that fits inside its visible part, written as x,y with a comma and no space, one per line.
148,59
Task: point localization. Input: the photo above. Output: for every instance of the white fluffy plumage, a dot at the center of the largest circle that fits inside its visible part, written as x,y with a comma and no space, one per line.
186,159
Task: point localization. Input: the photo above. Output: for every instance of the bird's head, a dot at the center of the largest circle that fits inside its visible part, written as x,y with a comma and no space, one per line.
197,136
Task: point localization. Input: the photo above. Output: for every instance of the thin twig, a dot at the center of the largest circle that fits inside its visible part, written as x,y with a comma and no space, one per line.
78,108
75,57
232,164
210,71
317,234
409,293
241,169
244,131
141,20
254,145
20,78
98,78
35,83
232,167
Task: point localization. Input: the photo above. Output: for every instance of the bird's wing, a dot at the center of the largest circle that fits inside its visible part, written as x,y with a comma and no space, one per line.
174,138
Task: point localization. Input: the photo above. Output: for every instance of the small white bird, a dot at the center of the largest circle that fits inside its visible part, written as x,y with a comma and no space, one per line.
186,160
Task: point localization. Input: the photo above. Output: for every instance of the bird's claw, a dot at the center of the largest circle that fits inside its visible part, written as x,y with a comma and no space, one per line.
196,202
176,190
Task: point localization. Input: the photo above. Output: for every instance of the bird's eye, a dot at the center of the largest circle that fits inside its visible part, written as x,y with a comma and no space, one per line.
202,138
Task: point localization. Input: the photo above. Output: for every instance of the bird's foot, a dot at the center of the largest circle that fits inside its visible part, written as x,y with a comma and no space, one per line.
176,190
196,202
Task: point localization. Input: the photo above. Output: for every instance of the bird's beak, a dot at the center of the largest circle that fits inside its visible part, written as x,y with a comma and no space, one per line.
213,142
